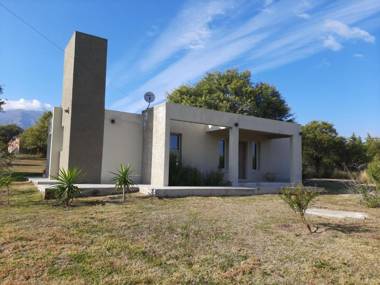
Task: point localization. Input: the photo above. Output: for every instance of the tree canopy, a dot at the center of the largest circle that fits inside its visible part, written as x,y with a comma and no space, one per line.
324,151
320,148
232,91
34,139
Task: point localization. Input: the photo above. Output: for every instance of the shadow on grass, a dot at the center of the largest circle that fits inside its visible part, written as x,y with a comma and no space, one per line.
344,228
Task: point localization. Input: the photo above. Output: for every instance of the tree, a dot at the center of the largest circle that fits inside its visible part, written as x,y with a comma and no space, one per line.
373,147
7,132
320,148
354,155
66,190
2,101
232,91
123,180
34,139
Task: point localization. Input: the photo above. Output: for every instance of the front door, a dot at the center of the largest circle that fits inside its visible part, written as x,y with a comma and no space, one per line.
242,159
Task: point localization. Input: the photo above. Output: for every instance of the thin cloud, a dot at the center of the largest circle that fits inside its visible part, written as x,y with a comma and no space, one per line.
331,43
24,104
260,42
346,32
189,30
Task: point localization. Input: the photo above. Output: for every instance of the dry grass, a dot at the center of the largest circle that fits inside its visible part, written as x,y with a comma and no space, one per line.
191,240
35,166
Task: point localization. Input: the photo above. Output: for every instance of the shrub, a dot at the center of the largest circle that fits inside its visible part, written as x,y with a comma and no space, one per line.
369,196
65,189
123,179
374,171
299,199
6,181
180,175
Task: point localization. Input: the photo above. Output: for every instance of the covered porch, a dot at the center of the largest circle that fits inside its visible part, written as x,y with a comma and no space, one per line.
255,150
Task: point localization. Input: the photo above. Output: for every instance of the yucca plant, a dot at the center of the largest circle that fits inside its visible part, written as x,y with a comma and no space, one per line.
122,179
299,199
66,190
5,181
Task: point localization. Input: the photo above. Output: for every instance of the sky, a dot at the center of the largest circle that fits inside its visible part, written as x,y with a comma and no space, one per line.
323,56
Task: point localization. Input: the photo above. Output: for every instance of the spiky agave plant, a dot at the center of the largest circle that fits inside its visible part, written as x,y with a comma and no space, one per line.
299,199
66,190
122,178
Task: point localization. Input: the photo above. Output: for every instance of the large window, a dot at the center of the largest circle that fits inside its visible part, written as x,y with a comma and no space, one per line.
222,154
255,155
175,147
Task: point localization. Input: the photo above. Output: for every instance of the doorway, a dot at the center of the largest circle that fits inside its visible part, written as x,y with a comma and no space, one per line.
242,159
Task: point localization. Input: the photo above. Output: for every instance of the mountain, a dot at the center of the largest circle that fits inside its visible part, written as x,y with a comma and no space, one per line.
22,118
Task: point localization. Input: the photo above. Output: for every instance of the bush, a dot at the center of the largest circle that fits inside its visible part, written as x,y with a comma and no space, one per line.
374,171
299,199
180,175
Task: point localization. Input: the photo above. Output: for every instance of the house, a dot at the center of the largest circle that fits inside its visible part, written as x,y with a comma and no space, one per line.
14,145
83,134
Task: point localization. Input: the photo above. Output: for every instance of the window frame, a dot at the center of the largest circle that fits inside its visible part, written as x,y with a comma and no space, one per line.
179,147
255,155
224,154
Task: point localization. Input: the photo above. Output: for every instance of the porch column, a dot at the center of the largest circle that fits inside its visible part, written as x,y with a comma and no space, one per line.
233,156
295,159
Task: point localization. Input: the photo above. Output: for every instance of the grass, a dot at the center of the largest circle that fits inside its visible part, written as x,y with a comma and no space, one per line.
29,166
178,241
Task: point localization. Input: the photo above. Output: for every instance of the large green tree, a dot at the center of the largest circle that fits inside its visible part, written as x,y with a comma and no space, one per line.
354,155
232,91
321,148
34,139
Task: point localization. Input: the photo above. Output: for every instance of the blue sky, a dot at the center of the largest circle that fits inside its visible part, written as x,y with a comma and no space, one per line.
323,56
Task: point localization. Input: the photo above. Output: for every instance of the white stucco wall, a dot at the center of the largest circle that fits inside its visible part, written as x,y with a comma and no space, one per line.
122,144
199,148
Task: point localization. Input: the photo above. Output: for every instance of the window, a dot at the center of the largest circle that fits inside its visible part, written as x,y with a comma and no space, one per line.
175,146
255,155
222,153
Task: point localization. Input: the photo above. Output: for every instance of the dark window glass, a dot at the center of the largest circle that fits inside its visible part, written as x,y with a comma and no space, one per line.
255,155
175,147
222,153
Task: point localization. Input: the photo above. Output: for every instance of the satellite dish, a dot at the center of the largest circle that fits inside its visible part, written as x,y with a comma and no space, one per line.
149,97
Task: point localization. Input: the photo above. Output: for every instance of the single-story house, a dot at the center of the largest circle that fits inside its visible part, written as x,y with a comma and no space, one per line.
83,134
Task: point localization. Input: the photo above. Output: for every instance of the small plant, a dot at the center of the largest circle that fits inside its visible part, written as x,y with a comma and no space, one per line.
370,193
122,179
66,190
6,181
299,199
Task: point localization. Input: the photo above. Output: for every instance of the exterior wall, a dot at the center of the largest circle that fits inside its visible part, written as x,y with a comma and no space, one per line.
160,146
56,136
147,117
275,159
83,105
199,148
122,144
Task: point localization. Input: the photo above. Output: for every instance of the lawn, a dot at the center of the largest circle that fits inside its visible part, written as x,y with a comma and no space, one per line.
190,240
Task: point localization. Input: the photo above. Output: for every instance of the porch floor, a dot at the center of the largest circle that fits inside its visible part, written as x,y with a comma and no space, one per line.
244,189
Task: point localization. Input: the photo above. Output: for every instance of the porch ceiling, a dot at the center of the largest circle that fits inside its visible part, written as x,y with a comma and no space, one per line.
243,133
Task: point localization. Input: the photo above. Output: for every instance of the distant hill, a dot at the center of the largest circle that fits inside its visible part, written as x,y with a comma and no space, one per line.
22,118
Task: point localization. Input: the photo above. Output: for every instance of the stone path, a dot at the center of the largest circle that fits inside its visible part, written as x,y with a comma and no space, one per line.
336,214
